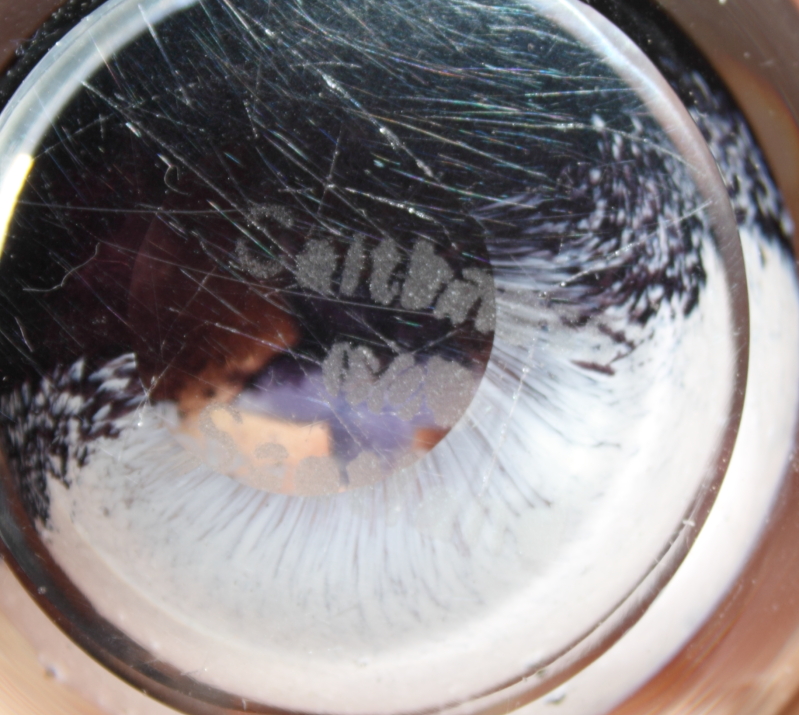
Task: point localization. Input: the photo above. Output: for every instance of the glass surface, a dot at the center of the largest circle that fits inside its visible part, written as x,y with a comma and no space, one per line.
397,350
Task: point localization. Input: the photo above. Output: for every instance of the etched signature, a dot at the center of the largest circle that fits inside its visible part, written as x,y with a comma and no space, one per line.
428,281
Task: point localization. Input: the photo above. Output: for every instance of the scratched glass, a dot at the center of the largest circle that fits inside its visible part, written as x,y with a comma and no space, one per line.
368,357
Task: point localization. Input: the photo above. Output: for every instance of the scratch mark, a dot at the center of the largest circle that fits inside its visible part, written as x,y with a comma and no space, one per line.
69,273
162,50
23,334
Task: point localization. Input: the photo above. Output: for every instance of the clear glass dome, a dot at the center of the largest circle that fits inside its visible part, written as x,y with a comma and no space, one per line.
373,357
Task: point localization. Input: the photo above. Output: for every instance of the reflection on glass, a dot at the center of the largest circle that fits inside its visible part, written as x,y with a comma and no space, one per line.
352,343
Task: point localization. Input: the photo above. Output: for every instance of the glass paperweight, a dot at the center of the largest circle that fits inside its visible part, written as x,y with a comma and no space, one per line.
373,357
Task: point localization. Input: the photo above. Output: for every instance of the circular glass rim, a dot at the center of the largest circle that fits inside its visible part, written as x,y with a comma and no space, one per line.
23,122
